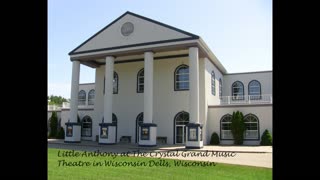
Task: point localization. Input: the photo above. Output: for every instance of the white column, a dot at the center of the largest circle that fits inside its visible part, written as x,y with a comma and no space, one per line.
74,91
194,84
107,113
148,87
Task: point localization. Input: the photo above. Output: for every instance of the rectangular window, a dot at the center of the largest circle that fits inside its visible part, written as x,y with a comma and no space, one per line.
145,133
104,132
69,131
192,135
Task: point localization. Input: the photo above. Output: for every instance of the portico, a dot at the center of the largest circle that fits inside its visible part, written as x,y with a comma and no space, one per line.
148,129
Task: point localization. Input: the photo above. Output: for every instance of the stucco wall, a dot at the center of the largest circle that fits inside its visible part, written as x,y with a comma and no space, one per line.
209,67
264,114
265,79
127,104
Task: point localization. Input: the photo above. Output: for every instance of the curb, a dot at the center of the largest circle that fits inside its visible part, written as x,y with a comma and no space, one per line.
163,149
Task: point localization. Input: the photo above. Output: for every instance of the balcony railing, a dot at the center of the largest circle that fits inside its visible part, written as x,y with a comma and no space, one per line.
247,99
54,108
65,105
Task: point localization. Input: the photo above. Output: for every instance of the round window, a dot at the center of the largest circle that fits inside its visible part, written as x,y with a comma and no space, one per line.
127,28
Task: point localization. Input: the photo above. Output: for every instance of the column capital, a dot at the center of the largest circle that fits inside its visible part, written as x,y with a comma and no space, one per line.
149,51
193,47
74,60
111,56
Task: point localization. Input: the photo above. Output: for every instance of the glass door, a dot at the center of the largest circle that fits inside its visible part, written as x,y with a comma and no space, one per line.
180,134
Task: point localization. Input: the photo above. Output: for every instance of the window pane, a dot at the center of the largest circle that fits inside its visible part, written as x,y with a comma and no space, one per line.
182,78
140,80
252,126
86,127
254,88
115,83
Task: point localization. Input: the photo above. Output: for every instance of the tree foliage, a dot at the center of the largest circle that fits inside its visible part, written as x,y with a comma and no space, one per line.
237,127
60,134
266,139
53,124
56,100
214,139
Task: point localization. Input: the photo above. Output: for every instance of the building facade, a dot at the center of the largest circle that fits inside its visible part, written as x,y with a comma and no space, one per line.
158,84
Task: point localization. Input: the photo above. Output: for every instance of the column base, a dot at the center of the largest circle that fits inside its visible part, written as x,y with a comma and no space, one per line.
107,143
107,133
194,138
72,133
148,135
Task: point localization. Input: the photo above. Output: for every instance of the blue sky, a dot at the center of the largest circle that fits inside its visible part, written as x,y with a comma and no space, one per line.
239,32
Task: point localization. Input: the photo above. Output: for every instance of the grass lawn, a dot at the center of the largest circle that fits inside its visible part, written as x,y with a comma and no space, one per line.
144,171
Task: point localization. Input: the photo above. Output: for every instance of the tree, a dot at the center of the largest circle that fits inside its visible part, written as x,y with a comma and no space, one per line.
53,125
266,139
237,127
214,139
56,100
60,134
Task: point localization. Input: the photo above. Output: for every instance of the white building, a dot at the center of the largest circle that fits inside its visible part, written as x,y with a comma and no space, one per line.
165,81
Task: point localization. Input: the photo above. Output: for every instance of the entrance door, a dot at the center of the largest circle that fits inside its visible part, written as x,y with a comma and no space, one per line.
180,134
139,120
180,122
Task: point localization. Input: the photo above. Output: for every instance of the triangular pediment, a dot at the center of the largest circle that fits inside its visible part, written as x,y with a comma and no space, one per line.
132,30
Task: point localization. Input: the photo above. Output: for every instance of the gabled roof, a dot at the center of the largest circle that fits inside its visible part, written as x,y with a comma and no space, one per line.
145,32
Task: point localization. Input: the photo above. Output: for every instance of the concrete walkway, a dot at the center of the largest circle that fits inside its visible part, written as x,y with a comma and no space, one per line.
260,156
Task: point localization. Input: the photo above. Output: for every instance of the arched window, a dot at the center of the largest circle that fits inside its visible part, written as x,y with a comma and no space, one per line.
82,98
115,82
181,78
91,97
213,83
220,88
225,126
237,91
180,121
86,130
139,120
114,118
140,81
252,127
254,90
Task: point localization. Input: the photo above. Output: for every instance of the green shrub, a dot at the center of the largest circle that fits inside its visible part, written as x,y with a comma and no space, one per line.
60,134
214,139
237,127
266,139
53,125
